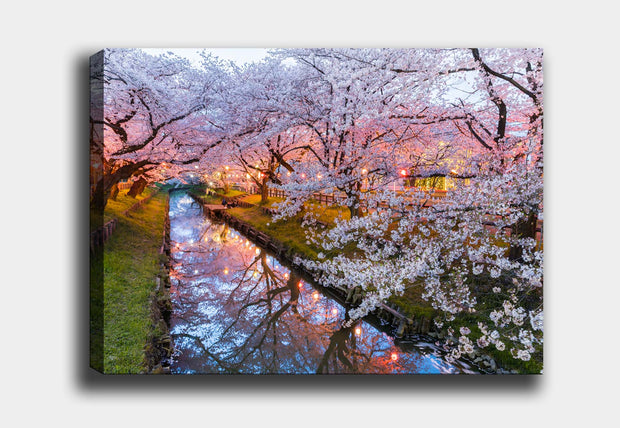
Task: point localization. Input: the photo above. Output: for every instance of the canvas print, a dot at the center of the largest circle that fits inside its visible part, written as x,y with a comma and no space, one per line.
316,211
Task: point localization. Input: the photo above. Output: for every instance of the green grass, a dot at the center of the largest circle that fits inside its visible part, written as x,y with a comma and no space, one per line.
256,200
130,264
122,203
289,232
232,192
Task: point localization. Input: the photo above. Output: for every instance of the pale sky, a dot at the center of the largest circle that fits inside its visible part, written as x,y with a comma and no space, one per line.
239,55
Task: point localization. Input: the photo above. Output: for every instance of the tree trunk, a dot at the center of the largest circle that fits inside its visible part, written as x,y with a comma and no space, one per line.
355,211
264,192
523,229
354,208
114,192
137,187
100,195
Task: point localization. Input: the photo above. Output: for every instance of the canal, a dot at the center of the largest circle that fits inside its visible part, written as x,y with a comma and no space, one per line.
237,309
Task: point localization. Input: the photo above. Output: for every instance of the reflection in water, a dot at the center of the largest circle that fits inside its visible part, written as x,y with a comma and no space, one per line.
236,309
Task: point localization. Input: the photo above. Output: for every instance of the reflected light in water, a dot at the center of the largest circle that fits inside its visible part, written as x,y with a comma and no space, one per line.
219,318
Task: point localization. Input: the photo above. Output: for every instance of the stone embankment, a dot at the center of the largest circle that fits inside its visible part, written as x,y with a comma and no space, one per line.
159,347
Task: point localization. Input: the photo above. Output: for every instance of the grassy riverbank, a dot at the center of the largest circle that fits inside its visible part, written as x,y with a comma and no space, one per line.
126,270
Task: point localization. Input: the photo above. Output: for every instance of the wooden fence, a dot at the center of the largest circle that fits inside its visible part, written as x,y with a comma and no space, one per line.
101,235
139,203
125,185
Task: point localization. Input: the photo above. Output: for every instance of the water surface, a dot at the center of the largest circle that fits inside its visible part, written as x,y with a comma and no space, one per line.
237,309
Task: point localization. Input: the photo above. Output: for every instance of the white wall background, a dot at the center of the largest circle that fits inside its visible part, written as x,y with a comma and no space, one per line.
43,135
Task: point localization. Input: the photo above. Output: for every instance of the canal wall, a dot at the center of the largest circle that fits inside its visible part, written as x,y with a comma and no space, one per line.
159,346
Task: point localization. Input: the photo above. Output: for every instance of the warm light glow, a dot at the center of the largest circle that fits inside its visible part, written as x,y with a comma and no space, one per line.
286,275
394,356
364,171
247,176
247,243
257,251
288,173
358,331
335,311
303,175
453,171
315,295
225,271
319,176
226,167
403,172
196,166
300,285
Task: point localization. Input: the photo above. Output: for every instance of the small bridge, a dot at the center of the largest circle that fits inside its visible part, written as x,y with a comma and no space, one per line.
180,187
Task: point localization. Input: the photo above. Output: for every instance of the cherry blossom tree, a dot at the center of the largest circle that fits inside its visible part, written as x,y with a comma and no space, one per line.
356,122
156,109
475,253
